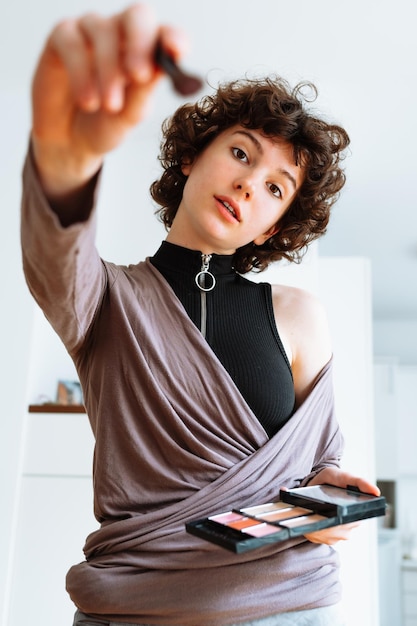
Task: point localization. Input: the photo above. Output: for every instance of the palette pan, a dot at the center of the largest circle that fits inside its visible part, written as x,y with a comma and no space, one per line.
297,512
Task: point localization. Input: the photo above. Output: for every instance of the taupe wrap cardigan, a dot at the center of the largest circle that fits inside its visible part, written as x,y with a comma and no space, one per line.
175,441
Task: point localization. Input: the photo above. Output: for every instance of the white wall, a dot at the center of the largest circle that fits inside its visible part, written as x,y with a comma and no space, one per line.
396,338
15,326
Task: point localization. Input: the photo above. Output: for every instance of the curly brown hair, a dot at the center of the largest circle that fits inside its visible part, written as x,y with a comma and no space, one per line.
270,106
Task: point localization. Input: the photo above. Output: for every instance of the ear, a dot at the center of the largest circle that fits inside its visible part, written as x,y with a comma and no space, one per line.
259,241
186,167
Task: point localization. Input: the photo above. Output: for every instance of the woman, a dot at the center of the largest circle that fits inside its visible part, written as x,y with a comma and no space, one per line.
205,391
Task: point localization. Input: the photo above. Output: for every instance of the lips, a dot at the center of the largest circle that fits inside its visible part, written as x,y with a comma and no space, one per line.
231,206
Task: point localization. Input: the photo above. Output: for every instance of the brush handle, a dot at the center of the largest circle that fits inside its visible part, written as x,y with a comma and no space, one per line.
185,84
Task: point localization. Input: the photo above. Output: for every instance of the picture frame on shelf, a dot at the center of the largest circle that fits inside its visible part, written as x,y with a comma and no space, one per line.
69,392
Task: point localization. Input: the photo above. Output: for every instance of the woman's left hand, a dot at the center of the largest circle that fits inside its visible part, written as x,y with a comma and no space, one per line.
339,478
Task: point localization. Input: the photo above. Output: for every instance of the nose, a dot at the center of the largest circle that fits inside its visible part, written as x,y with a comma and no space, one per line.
245,186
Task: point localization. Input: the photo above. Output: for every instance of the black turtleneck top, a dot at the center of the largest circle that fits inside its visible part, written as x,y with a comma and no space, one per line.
240,329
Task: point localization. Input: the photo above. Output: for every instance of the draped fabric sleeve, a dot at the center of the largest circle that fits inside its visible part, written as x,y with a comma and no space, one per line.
62,267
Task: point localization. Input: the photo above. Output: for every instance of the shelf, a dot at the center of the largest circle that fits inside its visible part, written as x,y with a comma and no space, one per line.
53,407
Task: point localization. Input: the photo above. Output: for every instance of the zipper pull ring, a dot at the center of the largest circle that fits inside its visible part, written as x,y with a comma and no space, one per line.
205,280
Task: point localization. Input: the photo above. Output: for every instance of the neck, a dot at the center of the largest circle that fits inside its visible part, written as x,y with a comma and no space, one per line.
177,258
193,243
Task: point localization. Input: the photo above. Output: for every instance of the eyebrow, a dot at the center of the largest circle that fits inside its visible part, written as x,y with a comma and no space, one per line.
260,149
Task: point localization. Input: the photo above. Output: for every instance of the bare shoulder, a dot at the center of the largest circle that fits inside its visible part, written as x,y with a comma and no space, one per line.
304,330
294,306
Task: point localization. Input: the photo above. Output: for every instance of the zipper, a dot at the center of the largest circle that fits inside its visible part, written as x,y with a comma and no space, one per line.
205,281
203,314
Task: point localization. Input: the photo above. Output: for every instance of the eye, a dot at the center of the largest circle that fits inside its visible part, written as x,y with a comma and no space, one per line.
240,154
275,190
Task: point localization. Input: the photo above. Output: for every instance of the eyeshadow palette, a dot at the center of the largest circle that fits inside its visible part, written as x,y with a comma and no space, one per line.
298,512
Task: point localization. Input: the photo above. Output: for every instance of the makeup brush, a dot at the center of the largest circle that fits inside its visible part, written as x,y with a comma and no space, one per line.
183,83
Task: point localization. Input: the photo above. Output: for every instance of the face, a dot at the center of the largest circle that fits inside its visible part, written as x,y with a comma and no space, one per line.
236,191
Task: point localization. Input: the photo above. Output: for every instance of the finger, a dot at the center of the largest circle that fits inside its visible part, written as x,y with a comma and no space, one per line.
367,487
103,37
330,536
340,478
175,41
72,50
140,33
364,485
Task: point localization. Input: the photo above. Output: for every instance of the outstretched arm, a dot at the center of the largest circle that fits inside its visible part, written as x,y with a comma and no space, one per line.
92,85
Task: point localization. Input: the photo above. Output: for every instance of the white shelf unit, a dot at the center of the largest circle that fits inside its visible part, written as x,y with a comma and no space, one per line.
55,515
409,591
